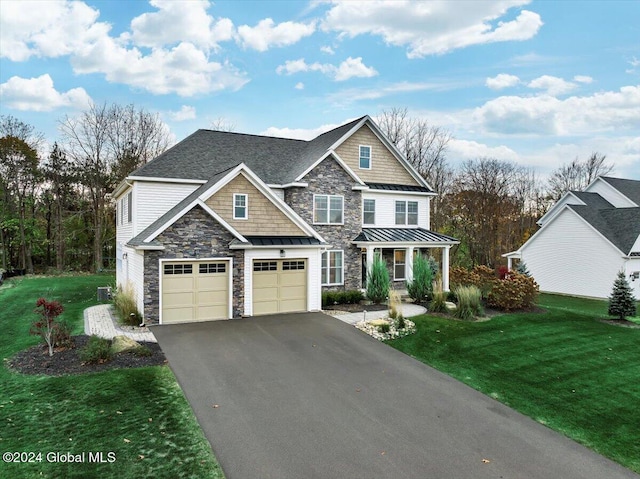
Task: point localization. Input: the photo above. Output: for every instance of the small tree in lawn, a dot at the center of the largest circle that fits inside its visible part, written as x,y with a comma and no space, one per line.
420,287
621,302
378,282
46,327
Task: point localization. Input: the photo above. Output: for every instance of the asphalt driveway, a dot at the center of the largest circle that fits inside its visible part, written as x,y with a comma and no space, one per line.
307,396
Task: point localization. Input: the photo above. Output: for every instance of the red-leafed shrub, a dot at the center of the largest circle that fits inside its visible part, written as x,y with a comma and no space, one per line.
503,271
516,291
46,327
480,276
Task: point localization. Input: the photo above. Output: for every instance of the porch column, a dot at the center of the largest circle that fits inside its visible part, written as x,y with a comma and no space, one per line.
370,251
445,268
409,263
508,263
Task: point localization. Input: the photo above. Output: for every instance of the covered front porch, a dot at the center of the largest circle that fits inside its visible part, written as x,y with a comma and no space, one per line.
399,246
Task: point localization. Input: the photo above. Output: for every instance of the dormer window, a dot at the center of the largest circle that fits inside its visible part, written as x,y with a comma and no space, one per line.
240,207
365,157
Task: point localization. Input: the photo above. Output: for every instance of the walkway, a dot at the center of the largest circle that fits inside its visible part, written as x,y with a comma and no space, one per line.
99,321
408,310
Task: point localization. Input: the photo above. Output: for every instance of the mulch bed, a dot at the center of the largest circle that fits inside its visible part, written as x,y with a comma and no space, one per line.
36,360
355,308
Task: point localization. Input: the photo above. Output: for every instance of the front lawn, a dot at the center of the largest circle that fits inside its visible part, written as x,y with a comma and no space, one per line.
564,368
139,415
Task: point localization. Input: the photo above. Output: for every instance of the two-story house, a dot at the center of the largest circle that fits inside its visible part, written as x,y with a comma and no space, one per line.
227,225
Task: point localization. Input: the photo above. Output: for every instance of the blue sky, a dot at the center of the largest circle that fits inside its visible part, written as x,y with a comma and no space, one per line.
538,83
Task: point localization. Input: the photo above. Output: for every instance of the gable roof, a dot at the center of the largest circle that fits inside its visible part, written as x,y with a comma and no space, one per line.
629,188
621,226
276,161
198,197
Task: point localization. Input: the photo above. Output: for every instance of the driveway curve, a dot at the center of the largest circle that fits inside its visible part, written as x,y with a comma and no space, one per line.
308,396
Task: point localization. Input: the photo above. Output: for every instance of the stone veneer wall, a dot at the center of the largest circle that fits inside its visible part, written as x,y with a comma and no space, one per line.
195,235
329,178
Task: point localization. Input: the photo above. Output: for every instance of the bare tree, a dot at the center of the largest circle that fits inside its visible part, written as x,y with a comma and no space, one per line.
222,124
106,143
424,146
577,175
135,137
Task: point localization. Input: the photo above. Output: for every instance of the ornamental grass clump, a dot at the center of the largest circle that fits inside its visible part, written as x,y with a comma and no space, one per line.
378,282
420,287
621,302
394,304
124,302
469,302
438,302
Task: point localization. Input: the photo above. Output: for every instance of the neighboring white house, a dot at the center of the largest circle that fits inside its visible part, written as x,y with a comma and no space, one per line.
585,239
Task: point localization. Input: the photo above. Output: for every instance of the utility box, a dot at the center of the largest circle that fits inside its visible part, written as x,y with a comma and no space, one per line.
104,294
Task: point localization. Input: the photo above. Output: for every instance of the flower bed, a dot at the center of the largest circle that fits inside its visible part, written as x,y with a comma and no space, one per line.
374,328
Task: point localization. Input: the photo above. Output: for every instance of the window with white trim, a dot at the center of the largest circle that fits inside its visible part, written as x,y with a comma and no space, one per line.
332,268
365,157
328,209
369,212
406,212
399,264
129,207
240,207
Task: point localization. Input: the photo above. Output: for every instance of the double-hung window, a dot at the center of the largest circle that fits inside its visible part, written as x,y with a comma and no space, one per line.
240,207
365,157
369,212
129,207
406,212
328,209
332,268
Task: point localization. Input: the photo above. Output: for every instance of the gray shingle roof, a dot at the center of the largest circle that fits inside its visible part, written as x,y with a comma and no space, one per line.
621,226
593,200
274,160
405,235
388,187
629,188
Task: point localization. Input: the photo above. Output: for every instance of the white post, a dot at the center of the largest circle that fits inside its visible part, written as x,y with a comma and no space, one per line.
445,268
370,250
509,263
409,263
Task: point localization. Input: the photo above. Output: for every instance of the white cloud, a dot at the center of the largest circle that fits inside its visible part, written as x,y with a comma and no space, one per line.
300,133
546,115
66,28
351,95
552,85
430,28
176,22
267,34
583,79
350,68
46,29
39,94
327,49
299,86
186,112
184,69
501,81
468,150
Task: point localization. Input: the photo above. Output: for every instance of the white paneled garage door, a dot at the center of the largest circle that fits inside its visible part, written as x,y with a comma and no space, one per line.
279,286
195,291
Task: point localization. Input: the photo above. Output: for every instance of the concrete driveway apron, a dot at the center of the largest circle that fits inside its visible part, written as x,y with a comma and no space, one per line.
306,396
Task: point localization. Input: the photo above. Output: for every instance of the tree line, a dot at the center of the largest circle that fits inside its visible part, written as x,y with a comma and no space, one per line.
55,207
56,212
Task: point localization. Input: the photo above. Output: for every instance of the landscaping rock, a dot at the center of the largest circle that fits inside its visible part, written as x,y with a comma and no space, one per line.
122,344
451,306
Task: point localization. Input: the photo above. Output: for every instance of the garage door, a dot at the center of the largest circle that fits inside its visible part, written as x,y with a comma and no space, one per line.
279,286
195,291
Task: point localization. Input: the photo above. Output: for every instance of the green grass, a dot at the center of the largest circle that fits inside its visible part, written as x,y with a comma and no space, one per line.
141,415
564,368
